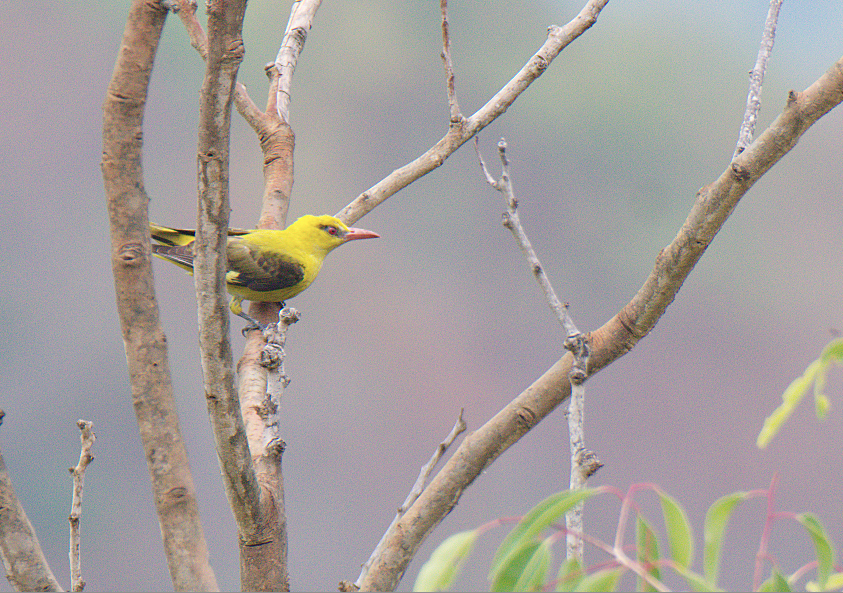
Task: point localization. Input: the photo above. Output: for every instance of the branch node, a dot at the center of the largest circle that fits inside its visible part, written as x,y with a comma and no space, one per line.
131,254
541,63
740,172
577,376
588,463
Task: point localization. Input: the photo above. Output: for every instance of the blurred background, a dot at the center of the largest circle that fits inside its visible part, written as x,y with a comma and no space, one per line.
608,149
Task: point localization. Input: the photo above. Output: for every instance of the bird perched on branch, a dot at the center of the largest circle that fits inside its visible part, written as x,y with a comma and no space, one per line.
265,265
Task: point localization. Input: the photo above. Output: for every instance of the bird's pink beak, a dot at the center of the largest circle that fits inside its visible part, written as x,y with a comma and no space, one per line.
354,234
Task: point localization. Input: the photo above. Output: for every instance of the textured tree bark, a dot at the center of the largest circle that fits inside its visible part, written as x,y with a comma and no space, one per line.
143,337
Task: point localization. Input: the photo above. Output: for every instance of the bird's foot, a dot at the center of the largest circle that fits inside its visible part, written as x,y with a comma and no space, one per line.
254,324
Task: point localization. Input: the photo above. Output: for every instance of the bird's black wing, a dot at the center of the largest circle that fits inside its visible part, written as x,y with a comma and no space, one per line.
181,255
259,269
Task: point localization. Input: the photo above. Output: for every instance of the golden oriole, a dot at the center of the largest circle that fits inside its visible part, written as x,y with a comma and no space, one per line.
265,265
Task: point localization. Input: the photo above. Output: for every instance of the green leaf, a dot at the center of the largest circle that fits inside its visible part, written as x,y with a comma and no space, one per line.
822,546
445,562
511,571
534,575
775,583
791,397
833,352
821,403
816,374
647,547
678,530
602,580
716,520
821,406
537,520
570,574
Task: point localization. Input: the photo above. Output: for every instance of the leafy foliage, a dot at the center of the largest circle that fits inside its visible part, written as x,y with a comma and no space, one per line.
524,559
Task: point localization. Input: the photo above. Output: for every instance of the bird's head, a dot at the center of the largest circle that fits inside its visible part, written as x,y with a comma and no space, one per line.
327,232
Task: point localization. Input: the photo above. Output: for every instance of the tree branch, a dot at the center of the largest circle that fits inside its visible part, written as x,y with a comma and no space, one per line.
186,11
26,566
85,458
225,51
756,78
450,79
620,334
295,35
584,463
424,475
558,38
143,337
259,406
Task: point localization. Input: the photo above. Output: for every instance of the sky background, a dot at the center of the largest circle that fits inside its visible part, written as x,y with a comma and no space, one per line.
608,149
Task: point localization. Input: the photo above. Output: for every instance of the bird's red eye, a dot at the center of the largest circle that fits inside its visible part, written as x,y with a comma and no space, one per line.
332,230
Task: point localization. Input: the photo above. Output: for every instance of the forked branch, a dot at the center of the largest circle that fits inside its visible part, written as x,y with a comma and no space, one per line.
611,341
558,38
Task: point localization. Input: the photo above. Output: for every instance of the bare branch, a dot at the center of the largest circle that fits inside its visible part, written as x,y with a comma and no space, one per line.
143,337
225,52
459,427
301,20
453,104
85,458
254,503
575,342
584,464
756,78
512,221
186,11
271,126
714,204
26,566
558,38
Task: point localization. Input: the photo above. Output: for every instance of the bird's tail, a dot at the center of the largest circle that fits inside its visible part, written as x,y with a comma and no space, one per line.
169,236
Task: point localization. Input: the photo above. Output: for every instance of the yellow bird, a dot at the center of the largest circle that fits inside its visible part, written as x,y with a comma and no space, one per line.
265,265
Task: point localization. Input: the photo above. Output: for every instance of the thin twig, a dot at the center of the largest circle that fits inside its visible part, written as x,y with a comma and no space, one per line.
424,475
575,547
764,543
756,78
583,462
453,104
85,458
512,221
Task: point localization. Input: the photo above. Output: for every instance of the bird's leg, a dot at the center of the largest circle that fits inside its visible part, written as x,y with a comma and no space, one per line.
253,323
236,307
